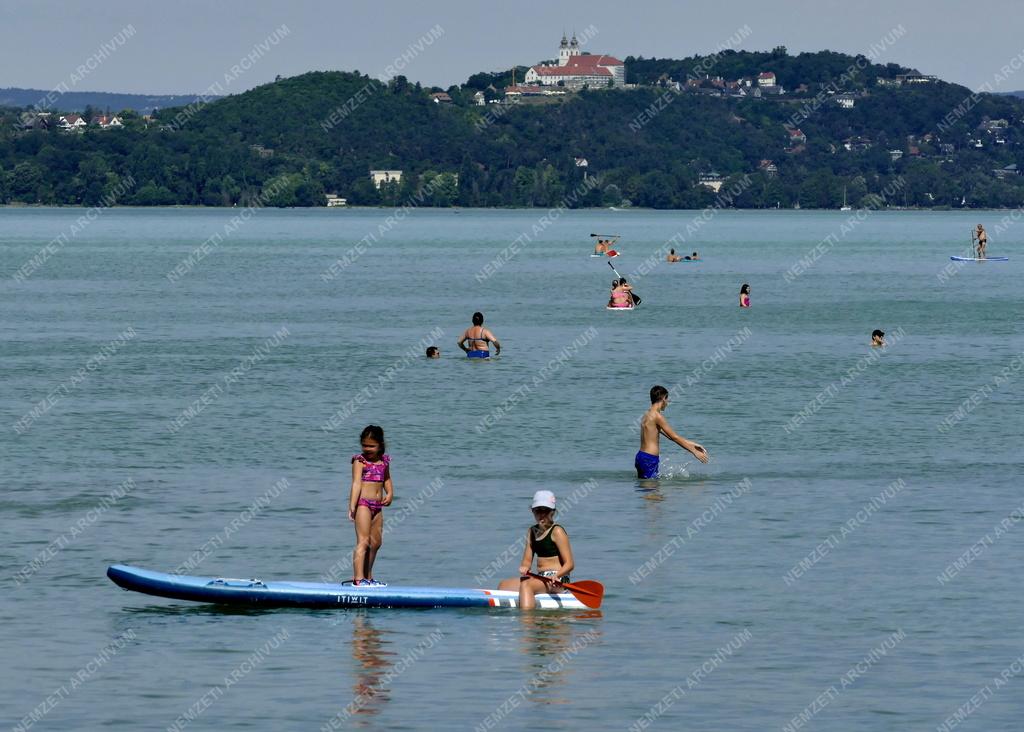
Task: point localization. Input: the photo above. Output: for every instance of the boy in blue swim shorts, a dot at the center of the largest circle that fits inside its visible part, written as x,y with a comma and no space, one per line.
652,425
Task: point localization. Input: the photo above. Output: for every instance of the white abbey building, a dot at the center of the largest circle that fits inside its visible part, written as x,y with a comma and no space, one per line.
575,69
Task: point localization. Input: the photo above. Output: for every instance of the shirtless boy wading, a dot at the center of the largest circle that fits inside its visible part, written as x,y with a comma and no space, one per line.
652,425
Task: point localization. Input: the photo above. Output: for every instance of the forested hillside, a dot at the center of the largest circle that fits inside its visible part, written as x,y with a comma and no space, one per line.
648,146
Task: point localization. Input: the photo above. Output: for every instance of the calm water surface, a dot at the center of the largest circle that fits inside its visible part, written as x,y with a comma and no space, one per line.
710,622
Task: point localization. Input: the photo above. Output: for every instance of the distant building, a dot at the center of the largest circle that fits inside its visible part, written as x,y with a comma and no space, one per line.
766,78
72,123
768,168
576,69
334,200
711,180
479,99
381,177
106,122
1008,171
797,137
263,152
889,83
441,98
895,155
846,101
917,78
857,144
522,90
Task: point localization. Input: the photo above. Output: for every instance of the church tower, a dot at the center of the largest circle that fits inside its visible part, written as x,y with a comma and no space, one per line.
563,51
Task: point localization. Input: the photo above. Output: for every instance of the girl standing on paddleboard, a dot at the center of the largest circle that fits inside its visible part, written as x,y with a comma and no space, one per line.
550,544
372,490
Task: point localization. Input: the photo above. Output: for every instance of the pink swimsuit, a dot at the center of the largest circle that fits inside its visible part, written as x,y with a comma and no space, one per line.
373,473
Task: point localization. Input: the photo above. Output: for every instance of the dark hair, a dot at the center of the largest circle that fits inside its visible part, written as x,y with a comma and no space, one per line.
658,393
671,251
745,290
431,350
876,332
695,254
374,432
478,318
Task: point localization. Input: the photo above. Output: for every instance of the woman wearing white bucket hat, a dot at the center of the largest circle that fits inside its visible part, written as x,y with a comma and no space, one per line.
550,544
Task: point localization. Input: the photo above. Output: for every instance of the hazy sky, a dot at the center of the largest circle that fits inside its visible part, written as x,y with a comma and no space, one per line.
184,46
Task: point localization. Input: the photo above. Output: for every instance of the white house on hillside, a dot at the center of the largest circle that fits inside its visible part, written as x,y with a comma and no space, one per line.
380,177
574,69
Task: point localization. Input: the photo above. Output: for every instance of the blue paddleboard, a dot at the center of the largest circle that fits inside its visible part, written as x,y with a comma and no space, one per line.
257,593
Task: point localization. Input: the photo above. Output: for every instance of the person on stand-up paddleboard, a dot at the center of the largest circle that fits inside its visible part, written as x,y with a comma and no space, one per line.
601,247
652,425
549,542
981,237
372,490
478,339
621,295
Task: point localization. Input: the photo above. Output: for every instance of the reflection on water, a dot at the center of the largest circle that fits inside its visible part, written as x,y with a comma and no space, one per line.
551,642
372,661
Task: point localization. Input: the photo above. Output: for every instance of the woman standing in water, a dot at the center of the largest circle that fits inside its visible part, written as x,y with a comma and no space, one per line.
745,296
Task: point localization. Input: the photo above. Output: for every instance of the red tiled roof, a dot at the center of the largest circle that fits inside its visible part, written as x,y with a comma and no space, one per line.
766,75
589,65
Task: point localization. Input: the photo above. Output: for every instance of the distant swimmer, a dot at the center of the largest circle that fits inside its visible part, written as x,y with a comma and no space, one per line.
622,295
693,257
652,425
673,257
549,542
980,237
433,352
877,338
478,339
745,296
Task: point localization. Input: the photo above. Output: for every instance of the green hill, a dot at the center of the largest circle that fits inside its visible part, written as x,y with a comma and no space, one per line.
324,131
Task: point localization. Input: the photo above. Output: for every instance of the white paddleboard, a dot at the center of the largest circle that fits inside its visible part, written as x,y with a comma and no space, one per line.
976,259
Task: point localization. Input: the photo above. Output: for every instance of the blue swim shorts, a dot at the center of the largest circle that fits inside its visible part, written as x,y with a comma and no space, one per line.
478,354
646,465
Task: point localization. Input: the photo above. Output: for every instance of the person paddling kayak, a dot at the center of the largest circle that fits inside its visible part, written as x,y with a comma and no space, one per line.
652,426
549,542
478,339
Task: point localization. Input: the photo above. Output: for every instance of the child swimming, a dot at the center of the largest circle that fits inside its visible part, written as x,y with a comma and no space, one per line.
550,544
372,490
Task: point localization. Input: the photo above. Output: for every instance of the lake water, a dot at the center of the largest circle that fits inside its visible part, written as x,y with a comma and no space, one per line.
204,410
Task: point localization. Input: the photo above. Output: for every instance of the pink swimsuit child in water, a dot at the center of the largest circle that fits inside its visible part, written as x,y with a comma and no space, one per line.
373,473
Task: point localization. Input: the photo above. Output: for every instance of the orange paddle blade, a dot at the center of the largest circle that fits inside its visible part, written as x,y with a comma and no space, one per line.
589,592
